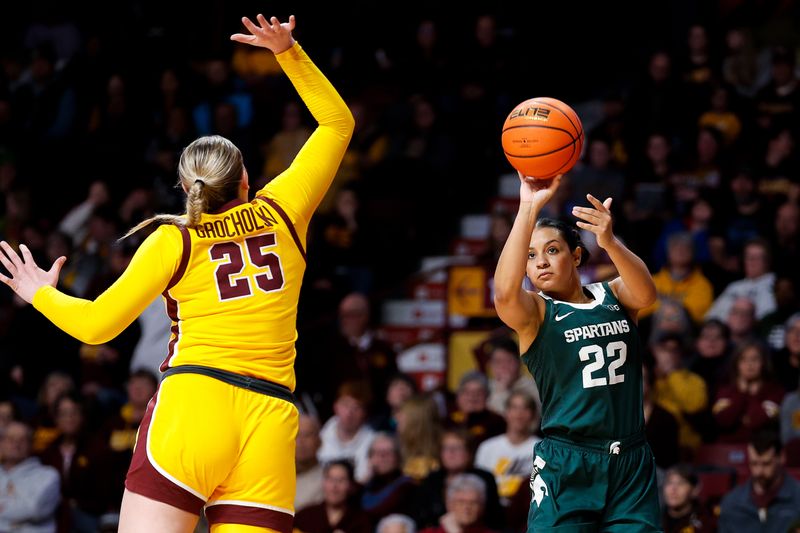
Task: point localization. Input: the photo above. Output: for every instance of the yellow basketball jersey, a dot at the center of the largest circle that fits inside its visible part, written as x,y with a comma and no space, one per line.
233,300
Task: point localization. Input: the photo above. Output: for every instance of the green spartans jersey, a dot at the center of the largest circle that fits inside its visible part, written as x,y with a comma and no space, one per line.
586,360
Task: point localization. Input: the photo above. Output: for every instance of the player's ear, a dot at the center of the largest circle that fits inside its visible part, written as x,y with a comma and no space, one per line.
577,253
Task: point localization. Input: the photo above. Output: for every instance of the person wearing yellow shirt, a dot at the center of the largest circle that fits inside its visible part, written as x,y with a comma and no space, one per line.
678,390
220,431
682,280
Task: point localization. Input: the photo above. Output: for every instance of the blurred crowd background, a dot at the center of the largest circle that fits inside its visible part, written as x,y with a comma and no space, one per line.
416,411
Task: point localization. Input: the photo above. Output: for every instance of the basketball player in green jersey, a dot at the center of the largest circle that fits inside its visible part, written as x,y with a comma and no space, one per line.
594,470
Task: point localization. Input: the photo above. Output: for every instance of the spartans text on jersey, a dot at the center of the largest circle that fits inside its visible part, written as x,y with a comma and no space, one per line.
592,331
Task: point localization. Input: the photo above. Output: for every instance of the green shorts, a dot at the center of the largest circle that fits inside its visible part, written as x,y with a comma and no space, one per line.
594,486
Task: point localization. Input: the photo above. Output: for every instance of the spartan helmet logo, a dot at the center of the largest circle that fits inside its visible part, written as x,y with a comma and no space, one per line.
538,486
613,448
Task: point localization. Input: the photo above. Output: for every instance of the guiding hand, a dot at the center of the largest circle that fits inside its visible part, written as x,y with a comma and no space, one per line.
27,278
537,191
271,34
597,220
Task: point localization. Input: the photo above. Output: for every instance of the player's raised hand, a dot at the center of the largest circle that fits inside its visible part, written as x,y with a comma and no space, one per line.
536,190
272,33
597,220
27,278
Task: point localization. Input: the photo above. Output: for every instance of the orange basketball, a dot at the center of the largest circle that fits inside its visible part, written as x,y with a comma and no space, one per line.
542,137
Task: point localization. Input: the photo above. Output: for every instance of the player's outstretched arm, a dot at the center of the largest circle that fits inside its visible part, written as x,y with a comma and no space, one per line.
98,321
518,308
301,188
634,287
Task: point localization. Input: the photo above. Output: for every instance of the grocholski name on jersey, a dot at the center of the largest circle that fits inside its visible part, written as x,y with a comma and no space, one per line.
593,331
238,222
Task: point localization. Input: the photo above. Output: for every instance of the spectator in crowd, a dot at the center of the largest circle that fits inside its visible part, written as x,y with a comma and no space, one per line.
776,170
466,502
712,354
339,510
772,327
784,241
720,115
120,429
757,284
396,523
56,384
770,499
741,321
682,511
401,388
343,246
56,354
358,352
508,456
419,431
281,150
703,171
597,176
786,362
500,223
387,490
8,413
744,66
456,458
682,280
29,491
308,467
647,199
790,426
697,68
676,389
81,462
654,102
346,434
471,411
670,318
699,222
661,426
778,102
751,401
506,376
741,217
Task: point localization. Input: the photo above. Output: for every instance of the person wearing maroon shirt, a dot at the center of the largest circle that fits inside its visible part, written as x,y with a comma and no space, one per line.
472,411
466,500
682,512
338,510
751,401
81,460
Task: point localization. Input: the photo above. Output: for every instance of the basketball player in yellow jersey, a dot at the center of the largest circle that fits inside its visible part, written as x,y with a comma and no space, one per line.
219,433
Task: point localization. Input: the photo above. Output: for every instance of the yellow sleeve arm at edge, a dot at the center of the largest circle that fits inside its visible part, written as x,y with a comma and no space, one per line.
99,321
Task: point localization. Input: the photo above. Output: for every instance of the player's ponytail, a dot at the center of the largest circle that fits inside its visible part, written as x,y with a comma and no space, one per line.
210,171
196,202
569,233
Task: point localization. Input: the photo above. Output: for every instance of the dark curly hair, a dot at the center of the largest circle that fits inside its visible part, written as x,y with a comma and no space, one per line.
569,233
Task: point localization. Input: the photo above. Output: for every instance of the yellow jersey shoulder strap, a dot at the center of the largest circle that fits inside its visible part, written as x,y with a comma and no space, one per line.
273,204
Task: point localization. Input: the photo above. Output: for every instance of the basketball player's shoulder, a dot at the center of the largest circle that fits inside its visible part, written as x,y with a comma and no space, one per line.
165,236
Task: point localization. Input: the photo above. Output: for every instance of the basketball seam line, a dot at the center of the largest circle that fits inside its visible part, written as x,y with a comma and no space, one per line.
539,126
572,144
563,113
